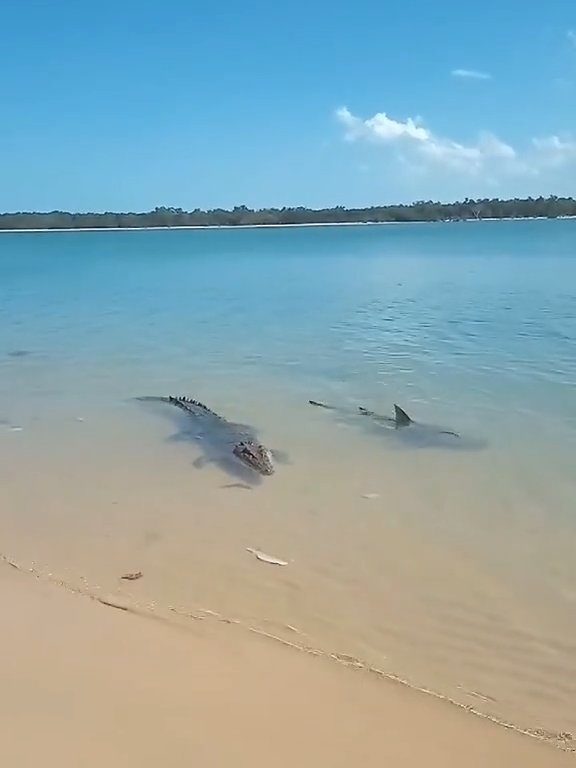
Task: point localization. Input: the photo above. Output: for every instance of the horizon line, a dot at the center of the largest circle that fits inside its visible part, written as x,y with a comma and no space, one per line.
178,210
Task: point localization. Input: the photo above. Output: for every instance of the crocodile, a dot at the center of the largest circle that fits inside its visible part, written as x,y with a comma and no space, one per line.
406,430
233,447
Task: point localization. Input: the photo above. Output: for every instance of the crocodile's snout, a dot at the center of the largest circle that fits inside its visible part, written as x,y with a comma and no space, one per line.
256,457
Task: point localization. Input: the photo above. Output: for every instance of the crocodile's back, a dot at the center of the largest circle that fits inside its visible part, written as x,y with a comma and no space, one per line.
191,406
219,426
216,426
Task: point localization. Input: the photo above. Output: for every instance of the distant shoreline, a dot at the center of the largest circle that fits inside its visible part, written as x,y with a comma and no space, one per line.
278,226
242,217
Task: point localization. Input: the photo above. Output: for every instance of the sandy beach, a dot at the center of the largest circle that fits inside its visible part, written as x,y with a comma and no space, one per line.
302,225
88,684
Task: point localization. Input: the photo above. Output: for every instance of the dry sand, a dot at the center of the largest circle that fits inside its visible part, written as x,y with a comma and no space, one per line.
83,684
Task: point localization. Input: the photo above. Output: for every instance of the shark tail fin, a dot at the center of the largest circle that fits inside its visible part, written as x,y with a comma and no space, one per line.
401,417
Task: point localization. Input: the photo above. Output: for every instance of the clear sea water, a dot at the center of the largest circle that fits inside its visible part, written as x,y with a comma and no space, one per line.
452,569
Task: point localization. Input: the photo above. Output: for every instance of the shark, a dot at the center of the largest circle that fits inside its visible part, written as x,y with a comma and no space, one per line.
405,429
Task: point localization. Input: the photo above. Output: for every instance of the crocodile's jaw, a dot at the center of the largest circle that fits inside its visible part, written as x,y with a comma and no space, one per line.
255,456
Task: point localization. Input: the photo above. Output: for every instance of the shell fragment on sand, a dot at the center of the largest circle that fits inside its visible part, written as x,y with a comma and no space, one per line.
262,556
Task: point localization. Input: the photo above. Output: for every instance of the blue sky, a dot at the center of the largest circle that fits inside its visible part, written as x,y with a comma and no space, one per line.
126,105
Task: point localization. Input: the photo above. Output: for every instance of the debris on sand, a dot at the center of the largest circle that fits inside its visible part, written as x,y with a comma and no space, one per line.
259,555
113,603
132,576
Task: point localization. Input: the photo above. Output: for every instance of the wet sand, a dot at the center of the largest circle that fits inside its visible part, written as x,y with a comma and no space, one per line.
87,684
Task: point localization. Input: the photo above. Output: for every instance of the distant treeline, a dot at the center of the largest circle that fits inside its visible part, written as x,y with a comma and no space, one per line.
547,207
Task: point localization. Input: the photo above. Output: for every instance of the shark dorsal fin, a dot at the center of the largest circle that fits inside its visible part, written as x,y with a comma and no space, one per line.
401,417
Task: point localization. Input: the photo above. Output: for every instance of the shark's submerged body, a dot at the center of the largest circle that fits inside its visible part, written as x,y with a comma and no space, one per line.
233,447
404,429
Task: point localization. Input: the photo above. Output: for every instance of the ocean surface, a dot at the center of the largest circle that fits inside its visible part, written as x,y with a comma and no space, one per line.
450,567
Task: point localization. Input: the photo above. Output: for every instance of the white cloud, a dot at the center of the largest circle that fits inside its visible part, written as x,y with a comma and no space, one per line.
471,74
487,157
468,158
380,127
411,136
552,151
571,35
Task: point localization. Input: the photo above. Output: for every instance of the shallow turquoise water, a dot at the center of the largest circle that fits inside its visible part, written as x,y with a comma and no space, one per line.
471,326
473,323
337,299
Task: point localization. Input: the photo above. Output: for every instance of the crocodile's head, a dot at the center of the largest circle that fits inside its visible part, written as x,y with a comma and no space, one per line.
255,456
